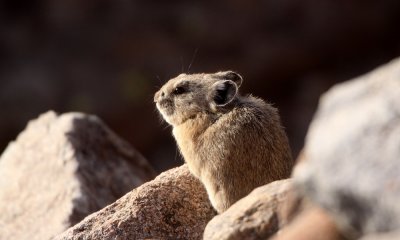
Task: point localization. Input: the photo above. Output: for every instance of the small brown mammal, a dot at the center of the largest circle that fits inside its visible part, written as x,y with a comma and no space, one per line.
232,143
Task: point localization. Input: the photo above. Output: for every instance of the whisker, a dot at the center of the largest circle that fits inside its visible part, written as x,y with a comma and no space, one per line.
182,65
159,79
194,56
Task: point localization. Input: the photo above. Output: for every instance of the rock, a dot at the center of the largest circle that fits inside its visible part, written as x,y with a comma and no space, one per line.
172,206
59,170
257,216
352,153
312,224
395,235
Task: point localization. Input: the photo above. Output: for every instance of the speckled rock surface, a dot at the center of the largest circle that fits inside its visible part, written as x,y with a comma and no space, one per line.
59,170
352,153
257,216
172,206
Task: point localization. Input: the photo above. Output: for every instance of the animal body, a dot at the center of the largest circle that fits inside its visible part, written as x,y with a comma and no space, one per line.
232,143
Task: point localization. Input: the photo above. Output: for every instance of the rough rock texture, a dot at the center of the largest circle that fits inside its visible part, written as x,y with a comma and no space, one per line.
172,206
257,216
59,170
352,153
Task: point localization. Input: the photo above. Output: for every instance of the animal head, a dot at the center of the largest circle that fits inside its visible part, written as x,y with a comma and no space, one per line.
187,95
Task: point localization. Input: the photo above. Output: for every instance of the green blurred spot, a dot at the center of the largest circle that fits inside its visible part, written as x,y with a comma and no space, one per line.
134,87
81,103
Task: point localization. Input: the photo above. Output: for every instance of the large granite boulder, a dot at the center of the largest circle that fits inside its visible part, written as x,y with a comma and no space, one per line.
59,170
175,205
352,153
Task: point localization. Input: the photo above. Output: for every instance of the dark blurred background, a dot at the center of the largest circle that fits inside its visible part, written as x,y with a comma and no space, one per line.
108,57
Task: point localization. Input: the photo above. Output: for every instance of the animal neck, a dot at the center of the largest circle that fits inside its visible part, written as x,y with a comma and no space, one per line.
194,127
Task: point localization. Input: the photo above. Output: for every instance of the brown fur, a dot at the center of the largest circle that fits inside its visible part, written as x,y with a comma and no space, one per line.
232,145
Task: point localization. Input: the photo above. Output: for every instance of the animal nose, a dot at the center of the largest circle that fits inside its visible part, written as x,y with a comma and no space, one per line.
158,96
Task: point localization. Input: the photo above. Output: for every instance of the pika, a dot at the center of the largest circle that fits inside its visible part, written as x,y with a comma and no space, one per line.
232,143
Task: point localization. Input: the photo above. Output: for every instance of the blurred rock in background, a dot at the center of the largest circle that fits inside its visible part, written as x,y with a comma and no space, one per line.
60,169
109,57
352,151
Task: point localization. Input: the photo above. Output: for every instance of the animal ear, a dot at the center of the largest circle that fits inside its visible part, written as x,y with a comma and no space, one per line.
224,92
233,76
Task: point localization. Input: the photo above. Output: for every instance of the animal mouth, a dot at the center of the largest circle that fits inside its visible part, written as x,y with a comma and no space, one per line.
165,107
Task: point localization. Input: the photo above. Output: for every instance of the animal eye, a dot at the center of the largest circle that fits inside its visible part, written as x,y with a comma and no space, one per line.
179,90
